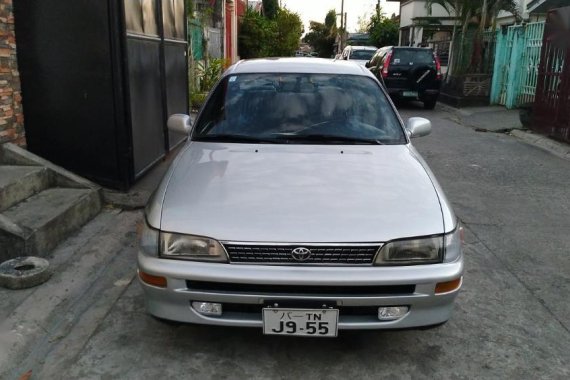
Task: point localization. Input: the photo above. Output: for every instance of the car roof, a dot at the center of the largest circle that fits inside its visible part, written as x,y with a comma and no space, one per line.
411,48
297,65
363,47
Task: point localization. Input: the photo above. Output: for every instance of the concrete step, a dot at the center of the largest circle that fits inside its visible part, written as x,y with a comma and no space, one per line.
46,327
20,182
38,224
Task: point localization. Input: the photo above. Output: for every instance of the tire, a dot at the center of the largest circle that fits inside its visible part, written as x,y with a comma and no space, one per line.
429,103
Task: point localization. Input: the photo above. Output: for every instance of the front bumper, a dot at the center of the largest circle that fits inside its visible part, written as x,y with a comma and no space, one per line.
361,291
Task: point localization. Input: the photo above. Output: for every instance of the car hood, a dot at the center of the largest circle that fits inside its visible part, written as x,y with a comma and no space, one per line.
300,193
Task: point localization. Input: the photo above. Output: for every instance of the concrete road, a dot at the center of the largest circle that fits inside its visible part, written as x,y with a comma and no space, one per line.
511,320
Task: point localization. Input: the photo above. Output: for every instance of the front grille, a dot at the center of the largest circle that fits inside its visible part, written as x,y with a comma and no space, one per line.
330,290
282,254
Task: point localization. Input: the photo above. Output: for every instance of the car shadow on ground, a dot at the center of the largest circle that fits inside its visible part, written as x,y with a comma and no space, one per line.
413,105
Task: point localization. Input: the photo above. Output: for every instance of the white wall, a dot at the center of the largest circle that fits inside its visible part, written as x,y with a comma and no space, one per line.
417,8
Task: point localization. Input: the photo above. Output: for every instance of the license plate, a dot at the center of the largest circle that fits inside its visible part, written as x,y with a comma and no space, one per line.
411,94
303,322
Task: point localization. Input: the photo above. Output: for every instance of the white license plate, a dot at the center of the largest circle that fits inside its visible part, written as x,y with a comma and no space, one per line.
411,94
304,322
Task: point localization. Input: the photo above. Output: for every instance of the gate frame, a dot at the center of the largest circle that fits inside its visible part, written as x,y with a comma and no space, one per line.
514,54
551,111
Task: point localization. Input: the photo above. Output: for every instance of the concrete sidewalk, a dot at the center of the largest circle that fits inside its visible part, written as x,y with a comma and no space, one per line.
45,326
498,119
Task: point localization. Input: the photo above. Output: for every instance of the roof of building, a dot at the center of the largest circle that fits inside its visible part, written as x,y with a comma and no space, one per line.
297,65
543,6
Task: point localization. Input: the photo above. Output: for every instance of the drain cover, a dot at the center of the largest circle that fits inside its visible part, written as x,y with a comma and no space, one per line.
24,272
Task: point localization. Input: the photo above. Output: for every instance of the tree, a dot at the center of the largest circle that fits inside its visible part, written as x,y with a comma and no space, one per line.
322,36
262,37
270,8
288,29
362,23
254,35
383,31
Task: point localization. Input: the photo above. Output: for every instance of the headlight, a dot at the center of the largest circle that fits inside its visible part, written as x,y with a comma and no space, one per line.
435,249
148,238
191,247
413,251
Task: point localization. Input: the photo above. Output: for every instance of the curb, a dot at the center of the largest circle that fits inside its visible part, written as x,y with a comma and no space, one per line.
545,143
554,147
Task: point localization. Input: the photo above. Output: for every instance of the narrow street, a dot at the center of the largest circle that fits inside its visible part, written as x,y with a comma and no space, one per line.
511,320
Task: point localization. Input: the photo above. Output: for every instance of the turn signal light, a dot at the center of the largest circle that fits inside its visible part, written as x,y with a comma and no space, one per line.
437,66
153,280
448,286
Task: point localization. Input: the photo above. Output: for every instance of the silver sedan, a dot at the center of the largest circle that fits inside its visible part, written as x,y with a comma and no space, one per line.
299,206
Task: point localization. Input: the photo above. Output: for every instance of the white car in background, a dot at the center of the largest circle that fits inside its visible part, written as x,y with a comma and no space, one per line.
358,54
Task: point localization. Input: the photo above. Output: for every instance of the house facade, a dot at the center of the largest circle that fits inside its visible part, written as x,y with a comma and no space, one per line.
419,25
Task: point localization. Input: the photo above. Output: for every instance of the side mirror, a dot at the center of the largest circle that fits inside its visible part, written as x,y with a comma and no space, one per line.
418,127
180,123
367,65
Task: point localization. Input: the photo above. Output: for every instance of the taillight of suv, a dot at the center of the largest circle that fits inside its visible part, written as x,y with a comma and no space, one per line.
437,66
386,65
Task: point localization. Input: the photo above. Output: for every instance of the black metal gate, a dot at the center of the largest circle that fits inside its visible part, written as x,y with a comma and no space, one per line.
552,99
99,80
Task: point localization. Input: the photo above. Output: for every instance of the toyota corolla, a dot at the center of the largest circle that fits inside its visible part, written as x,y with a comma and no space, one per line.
300,206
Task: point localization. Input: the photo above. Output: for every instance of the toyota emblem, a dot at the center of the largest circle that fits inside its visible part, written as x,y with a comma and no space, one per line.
301,254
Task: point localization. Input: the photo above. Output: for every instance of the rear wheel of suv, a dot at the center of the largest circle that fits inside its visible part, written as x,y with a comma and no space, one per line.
429,103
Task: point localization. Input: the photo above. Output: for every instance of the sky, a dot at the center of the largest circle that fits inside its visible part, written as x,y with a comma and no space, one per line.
316,10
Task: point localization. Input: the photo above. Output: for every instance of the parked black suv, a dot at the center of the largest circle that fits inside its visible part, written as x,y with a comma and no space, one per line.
408,73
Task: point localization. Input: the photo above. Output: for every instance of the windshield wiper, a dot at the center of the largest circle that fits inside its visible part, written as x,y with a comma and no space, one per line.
231,138
311,138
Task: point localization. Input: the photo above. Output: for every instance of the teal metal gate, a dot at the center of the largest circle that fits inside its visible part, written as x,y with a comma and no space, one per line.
516,64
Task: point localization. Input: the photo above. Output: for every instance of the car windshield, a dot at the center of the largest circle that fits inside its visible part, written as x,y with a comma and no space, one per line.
412,56
299,109
362,54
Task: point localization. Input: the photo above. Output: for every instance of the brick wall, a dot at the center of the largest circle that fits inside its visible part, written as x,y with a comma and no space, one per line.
11,115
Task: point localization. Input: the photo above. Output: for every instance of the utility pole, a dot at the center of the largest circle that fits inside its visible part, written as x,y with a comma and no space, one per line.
342,21
342,14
